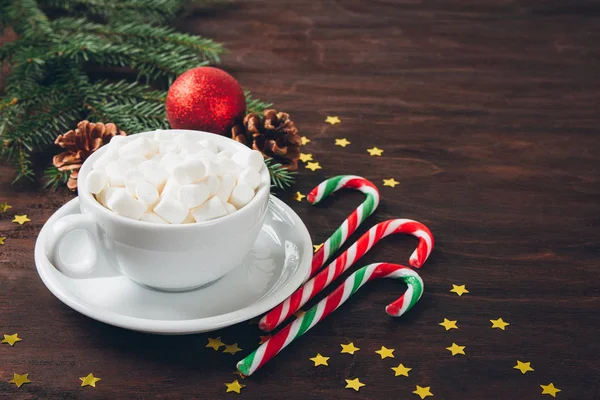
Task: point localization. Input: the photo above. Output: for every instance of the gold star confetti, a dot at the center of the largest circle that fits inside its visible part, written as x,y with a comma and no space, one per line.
305,157
304,140
11,339
313,166
234,386
20,380
384,352
299,313
456,349
89,380
4,206
299,196
215,343
401,370
231,348
349,348
333,120
524,367
21,219
264,338
343,142
375,151
423,392
2,239
390,182
499,323
354,384
550,389
319,360
317,246
448,324
459,289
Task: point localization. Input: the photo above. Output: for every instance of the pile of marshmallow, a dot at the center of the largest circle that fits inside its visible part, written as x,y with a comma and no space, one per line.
173,178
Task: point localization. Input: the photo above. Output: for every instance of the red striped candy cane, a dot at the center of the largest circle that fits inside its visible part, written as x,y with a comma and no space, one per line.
291,332
311,288
350,225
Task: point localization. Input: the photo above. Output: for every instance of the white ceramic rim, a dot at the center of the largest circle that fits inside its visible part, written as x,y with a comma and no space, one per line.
171,327
261,195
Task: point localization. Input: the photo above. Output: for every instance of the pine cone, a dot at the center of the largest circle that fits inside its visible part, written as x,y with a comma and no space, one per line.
274,136
80,143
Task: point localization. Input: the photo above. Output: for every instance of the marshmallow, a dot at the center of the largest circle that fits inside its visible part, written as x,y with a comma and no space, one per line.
167,147
212,168
188,144
115,178
241,195
171,210
153,173
189,171
230,208
128,163
95,181
227,166
141,145
149,216
117,140
169,161
147,194
252,159
211,209
213,184
250,177
226,186
209,145
109,156
202,154
225,153
123,204
132,178
162,135
194,194
171,188
106,194
189,219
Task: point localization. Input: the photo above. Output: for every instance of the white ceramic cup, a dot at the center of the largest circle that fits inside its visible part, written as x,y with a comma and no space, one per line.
165,257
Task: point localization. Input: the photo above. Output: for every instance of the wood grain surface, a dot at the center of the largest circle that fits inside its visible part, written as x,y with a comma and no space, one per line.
488,115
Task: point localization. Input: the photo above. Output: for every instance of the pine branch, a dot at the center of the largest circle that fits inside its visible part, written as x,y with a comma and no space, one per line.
281,177
55,178
255,105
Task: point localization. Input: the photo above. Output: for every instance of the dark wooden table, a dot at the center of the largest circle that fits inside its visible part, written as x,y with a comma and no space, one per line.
488,115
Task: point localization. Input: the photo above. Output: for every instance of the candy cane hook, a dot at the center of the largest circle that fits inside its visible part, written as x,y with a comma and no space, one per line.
320,281
281,339
337,239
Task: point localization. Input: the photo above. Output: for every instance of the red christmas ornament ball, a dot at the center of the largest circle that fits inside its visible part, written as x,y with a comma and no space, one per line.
205,99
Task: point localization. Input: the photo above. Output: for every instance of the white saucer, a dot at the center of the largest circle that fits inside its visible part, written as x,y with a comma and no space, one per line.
278,264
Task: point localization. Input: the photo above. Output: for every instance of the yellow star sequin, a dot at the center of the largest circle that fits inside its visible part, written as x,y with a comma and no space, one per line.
354,384
305,157
459,289
4,206
375,151
333,120
89,380
456,349
499,323
234,386
264,338
319,360
231,348
21,219
390,182
11,339
384,352
2,239
317,246
343,142
20,380
524,367
423,392
349,348
550,389
401,370
299,196
215,343
304,140
448,324
313,166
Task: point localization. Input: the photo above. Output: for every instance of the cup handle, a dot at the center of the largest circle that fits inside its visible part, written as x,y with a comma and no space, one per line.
90,266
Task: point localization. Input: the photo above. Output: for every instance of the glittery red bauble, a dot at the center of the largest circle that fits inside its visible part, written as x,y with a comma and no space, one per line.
205,99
